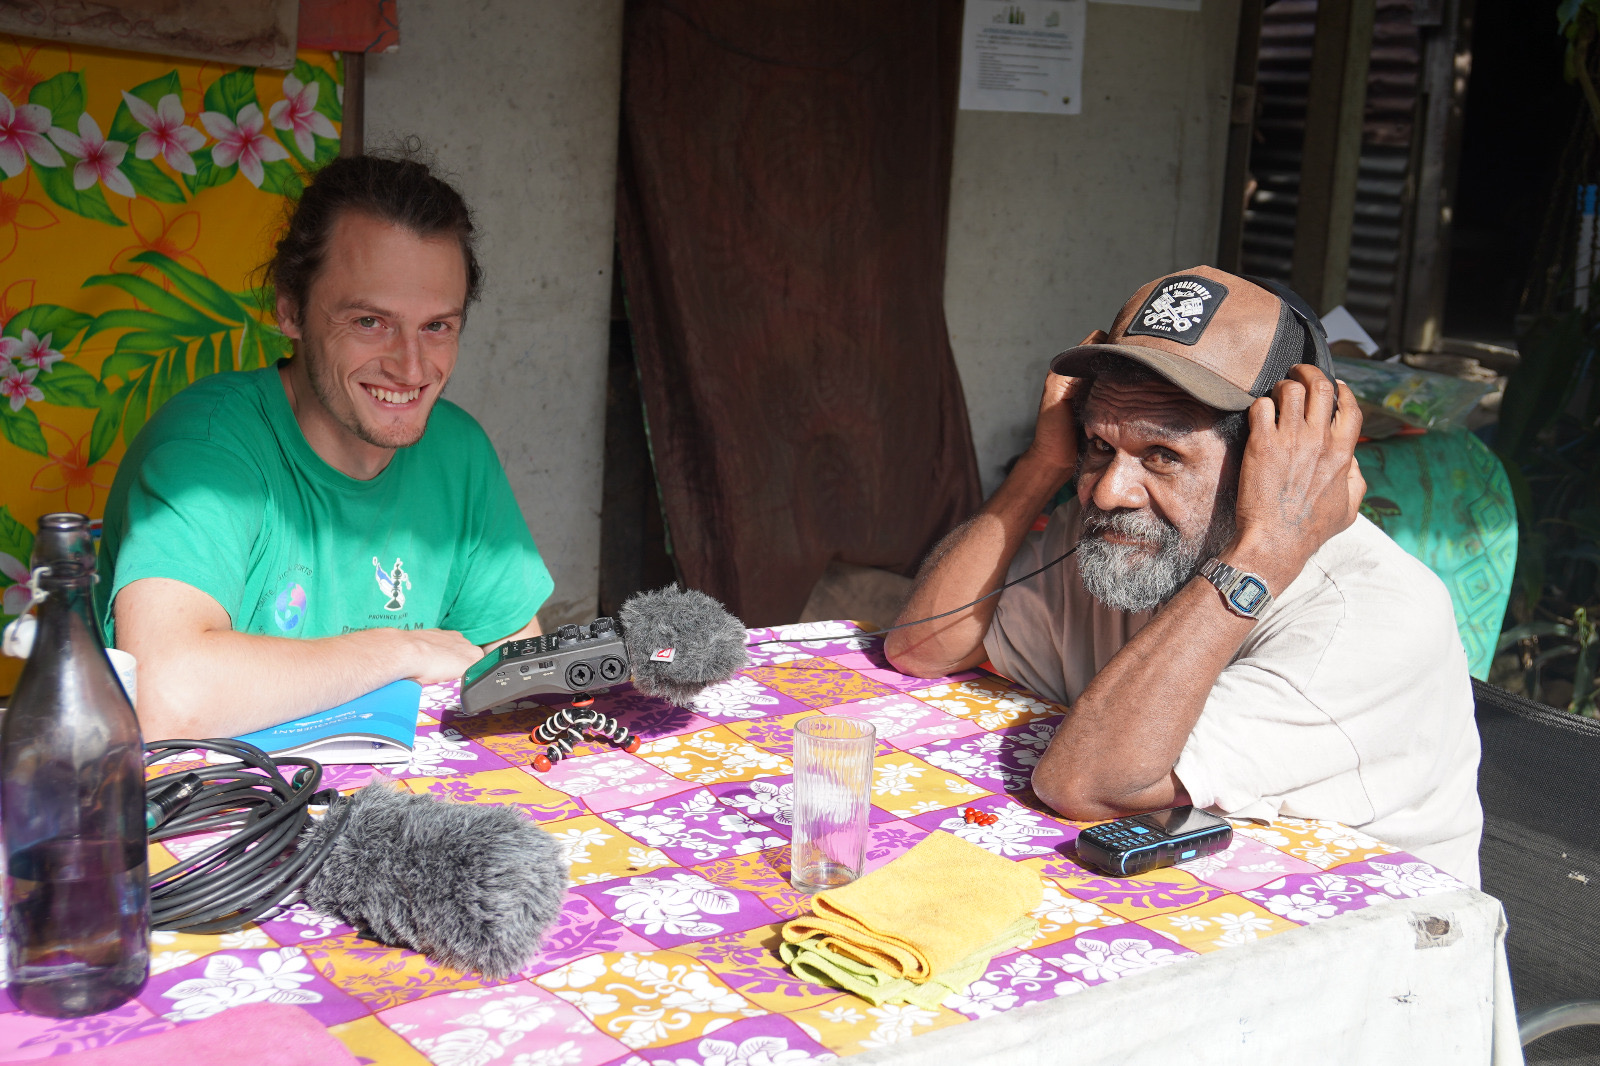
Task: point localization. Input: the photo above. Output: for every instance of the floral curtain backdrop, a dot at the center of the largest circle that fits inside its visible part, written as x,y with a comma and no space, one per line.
139,195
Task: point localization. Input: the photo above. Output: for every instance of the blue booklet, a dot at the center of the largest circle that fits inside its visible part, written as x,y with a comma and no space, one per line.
380,727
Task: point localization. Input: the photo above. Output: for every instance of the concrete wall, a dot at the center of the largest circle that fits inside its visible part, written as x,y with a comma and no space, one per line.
519,101
1055,220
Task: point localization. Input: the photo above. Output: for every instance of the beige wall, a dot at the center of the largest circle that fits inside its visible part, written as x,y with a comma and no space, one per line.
1056,219
519,101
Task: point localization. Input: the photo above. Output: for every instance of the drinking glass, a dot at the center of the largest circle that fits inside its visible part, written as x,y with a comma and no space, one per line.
832,790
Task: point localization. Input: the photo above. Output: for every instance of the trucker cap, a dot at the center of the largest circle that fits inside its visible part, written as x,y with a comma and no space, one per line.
1223,339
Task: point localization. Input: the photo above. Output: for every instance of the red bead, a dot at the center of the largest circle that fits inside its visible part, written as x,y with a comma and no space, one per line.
542,763
633,746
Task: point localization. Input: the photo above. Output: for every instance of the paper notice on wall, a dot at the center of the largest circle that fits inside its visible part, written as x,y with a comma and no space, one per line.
1170,5
1023,55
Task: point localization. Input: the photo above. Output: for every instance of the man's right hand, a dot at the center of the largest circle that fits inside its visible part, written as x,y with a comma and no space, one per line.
439,655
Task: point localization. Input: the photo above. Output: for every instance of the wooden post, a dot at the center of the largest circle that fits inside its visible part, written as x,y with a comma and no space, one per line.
353,132
1446,64
1331,157
1241,124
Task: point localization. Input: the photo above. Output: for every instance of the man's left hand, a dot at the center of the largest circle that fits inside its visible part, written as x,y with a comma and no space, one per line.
1299,482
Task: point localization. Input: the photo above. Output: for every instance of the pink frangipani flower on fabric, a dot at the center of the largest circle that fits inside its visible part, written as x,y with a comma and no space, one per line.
242,142
22,134
98,158
297,111
18,595
31,350
17,385
165,134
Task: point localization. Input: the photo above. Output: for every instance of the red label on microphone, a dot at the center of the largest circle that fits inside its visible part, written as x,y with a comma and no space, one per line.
663,655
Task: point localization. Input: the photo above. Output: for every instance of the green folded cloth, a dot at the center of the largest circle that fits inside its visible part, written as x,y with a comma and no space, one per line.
810,961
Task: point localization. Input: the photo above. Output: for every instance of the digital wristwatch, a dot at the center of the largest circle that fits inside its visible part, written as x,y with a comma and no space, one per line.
1244,593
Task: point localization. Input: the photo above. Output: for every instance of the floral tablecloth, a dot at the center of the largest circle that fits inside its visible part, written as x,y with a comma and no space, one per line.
664,952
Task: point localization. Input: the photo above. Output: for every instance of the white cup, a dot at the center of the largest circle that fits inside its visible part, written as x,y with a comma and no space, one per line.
127,668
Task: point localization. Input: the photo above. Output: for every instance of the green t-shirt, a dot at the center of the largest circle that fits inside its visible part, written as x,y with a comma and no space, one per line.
221,491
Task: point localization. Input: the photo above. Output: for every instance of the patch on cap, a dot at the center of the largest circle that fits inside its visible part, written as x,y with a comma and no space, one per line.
1178,309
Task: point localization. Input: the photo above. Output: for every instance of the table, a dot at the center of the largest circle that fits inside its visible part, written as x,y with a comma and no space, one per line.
663,951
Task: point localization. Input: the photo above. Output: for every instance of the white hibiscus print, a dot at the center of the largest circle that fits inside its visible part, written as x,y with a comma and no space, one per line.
756,1051
461,1047
566,1053
228,982
896,1021
514,1014
1095,960
673,904
1011,835
1242,927
652,829
581,974
436,747
767,798
895,779
821,634
983,999
740,697
575,843
960,763
1408,880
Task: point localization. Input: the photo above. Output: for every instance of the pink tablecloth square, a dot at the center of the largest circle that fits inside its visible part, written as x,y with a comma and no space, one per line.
480,1025
1246,864
29,1037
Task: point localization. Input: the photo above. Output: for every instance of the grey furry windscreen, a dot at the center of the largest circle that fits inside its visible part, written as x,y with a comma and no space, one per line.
472,887
708,643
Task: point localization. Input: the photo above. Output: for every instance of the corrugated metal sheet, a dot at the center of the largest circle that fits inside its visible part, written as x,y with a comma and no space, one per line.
1376,281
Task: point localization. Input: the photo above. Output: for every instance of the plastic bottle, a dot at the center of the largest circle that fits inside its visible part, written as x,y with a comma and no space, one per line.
72,804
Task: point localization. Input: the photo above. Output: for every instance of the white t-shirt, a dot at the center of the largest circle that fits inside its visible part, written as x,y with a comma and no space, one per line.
1349,700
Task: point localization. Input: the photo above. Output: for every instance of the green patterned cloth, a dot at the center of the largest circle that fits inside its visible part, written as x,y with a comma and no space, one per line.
1445,498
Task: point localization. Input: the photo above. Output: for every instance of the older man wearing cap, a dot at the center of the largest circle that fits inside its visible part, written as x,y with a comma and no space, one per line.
1229,631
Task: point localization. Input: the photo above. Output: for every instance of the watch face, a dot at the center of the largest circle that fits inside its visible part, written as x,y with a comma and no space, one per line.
1248,597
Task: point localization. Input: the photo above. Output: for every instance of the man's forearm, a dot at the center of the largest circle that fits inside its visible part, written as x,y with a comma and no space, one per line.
1114,752
223,683
967,564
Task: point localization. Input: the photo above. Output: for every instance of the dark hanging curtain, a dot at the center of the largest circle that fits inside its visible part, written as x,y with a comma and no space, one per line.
785,171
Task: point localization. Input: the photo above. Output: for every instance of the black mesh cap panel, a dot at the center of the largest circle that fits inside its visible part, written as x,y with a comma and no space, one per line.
1290,346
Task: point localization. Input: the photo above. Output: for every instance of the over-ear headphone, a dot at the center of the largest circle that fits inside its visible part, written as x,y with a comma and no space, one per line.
1321,355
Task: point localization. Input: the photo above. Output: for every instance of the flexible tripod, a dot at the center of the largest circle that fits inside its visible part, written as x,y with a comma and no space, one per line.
566,728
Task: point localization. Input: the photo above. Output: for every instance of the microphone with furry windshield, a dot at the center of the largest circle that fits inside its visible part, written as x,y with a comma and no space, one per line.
673,642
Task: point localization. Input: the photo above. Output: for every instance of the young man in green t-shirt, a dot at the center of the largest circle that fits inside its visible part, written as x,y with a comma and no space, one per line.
281,541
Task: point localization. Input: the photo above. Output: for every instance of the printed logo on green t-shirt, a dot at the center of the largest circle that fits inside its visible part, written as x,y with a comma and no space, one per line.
289,609
392,584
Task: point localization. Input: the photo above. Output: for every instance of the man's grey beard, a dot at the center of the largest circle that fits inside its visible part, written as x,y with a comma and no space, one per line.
1131,577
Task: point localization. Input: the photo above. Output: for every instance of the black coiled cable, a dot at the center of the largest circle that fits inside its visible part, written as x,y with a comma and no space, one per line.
235,880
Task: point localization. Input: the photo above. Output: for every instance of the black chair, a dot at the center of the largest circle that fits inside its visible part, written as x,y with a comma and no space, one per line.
1540,786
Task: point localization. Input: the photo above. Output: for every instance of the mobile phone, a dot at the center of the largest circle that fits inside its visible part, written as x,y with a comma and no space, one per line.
1143,842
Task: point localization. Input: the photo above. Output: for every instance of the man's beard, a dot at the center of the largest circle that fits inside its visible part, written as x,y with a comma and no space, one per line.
1141,577
330,392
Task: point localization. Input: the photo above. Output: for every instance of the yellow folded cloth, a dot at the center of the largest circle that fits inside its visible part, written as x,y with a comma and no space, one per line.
812,962
924,913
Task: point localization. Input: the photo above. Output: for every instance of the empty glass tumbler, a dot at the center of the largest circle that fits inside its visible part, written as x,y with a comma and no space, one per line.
832,792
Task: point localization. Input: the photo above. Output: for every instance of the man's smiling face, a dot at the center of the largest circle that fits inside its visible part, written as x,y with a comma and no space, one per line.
379,332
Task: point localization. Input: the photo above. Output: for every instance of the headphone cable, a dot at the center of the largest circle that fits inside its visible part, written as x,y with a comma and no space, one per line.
932,617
